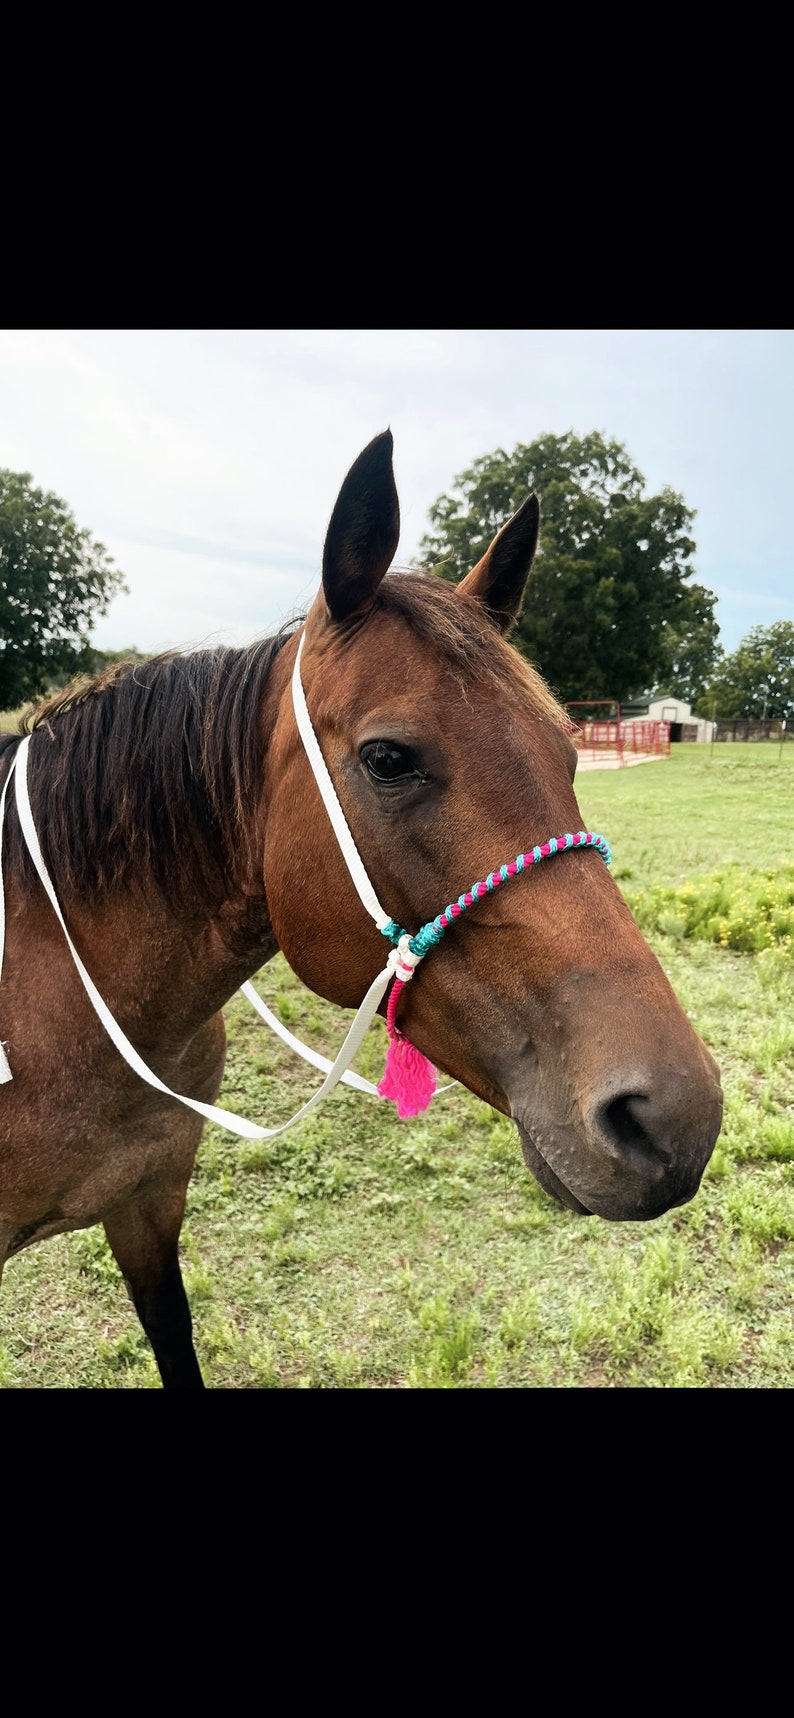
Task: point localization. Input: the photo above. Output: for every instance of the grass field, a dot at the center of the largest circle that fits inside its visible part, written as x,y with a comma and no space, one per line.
363,1252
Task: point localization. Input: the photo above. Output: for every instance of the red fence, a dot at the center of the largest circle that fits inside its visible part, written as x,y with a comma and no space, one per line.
650,738
621,743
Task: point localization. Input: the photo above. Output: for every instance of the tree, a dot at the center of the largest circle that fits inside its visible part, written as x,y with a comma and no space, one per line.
92,662
608,611
692,650
55,581
758,679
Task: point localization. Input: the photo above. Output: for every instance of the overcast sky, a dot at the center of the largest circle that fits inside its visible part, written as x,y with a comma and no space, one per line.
208,462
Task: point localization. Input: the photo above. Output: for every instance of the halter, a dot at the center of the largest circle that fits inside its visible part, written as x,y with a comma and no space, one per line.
409,1078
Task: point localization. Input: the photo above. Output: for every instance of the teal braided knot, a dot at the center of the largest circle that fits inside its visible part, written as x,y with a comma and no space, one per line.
431,933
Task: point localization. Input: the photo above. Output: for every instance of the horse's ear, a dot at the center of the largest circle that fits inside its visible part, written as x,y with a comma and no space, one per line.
499,579
364,531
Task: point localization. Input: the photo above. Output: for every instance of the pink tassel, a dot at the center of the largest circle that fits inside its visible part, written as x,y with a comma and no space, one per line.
409,1080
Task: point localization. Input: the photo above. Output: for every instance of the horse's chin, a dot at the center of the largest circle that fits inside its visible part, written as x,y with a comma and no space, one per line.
637,1203
546,1178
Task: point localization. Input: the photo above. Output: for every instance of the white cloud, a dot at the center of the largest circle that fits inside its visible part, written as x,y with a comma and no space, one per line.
208,462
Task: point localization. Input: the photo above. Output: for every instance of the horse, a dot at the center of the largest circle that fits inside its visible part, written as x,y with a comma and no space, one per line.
180,822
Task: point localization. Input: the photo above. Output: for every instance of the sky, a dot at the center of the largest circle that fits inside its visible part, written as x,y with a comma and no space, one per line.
208,461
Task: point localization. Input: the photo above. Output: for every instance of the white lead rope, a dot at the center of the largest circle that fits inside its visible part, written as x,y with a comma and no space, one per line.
350,853
335,1071
358,1083
5,1071
403,960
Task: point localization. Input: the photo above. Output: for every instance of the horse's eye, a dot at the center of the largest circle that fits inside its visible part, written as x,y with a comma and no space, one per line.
387,762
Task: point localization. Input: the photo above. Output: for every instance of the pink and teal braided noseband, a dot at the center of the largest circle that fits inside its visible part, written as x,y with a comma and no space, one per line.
433,931
409,1079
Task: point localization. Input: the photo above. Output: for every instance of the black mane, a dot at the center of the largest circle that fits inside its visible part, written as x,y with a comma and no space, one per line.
148,774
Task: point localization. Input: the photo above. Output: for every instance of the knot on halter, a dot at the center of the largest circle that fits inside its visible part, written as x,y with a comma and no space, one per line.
402,959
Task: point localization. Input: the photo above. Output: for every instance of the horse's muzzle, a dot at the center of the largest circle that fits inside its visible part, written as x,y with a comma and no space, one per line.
627,1153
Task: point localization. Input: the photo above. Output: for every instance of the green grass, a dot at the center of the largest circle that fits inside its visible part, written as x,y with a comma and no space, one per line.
701,809
10,719
361,1252
736,909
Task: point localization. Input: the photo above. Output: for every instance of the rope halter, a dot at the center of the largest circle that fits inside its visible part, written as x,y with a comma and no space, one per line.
410,950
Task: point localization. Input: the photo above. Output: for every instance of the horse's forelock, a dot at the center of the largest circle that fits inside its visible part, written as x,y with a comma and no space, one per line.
458,627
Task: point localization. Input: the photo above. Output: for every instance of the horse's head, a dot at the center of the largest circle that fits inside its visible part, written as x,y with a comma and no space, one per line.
450,757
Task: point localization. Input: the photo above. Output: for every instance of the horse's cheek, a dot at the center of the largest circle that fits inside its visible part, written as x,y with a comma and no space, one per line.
321,927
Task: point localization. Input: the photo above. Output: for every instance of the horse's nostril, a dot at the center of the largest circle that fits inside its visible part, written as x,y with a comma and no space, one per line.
625,1125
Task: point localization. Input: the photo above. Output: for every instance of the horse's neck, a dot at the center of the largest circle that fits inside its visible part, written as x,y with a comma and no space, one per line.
242,940
152,955
160,975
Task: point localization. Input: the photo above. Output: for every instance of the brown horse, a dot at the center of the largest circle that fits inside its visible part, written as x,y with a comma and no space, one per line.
181,824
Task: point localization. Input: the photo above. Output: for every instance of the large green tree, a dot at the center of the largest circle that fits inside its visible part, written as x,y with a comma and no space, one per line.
757,679
55,581
609,610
